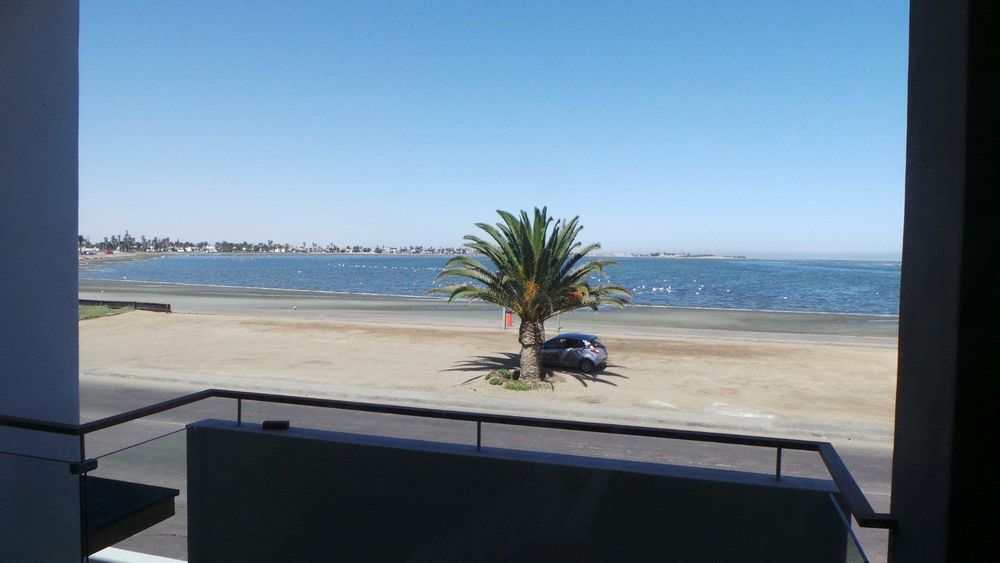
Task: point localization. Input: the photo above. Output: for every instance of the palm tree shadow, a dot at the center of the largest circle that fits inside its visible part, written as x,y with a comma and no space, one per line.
510,360
503,360
586,378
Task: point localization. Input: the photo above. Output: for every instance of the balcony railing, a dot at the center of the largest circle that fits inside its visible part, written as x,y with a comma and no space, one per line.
857,505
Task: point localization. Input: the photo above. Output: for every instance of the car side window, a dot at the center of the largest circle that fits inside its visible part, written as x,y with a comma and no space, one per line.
574,343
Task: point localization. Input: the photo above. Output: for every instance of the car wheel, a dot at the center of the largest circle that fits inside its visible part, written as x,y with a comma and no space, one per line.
586,366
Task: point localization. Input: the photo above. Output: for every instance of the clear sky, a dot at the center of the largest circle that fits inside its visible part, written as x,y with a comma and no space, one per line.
752,128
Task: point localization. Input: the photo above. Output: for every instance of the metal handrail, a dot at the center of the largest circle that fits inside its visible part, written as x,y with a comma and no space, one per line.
857,503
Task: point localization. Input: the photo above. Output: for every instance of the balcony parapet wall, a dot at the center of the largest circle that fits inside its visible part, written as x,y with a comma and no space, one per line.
300,494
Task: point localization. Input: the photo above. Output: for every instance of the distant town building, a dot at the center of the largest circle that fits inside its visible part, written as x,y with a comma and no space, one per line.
128,243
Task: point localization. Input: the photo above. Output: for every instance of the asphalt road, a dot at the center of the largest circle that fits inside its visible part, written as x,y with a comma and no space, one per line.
162,460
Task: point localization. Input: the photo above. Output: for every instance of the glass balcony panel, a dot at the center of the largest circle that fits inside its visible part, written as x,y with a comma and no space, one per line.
853,553
137,498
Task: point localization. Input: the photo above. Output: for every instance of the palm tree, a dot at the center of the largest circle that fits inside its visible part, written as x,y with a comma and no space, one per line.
535,272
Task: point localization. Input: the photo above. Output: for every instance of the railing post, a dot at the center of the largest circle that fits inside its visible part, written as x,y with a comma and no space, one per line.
239,412
84,536
479,435
777,466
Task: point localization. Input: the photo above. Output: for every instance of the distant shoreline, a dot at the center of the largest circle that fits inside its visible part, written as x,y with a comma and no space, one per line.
394,275
673,256
119,257
287,291
126,256
637,319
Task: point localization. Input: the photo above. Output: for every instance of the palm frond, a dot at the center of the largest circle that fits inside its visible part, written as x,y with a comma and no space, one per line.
535,267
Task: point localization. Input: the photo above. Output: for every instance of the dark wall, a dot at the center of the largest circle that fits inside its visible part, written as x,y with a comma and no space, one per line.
303,495
947,390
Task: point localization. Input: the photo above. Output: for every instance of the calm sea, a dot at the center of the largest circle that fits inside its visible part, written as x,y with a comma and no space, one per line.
774,285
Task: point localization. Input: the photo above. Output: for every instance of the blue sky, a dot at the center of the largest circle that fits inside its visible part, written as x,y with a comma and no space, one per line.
750,128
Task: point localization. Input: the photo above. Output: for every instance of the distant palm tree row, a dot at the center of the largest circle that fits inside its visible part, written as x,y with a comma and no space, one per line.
129,243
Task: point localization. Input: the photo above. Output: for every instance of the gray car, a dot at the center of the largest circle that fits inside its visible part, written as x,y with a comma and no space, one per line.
575,350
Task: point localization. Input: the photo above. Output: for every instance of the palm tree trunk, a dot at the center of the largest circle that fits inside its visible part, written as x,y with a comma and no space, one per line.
531,335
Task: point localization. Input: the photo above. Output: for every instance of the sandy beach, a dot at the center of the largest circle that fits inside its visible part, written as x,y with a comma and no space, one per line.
101,258
788,374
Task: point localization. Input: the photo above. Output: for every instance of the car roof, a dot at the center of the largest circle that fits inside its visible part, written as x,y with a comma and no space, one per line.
576,335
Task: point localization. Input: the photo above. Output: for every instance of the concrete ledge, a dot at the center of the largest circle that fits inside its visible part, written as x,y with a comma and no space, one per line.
117,510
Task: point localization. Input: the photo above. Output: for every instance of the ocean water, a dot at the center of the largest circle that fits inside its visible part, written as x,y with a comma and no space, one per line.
771,285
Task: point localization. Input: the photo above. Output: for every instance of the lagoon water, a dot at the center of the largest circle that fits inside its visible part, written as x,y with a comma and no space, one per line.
773,285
